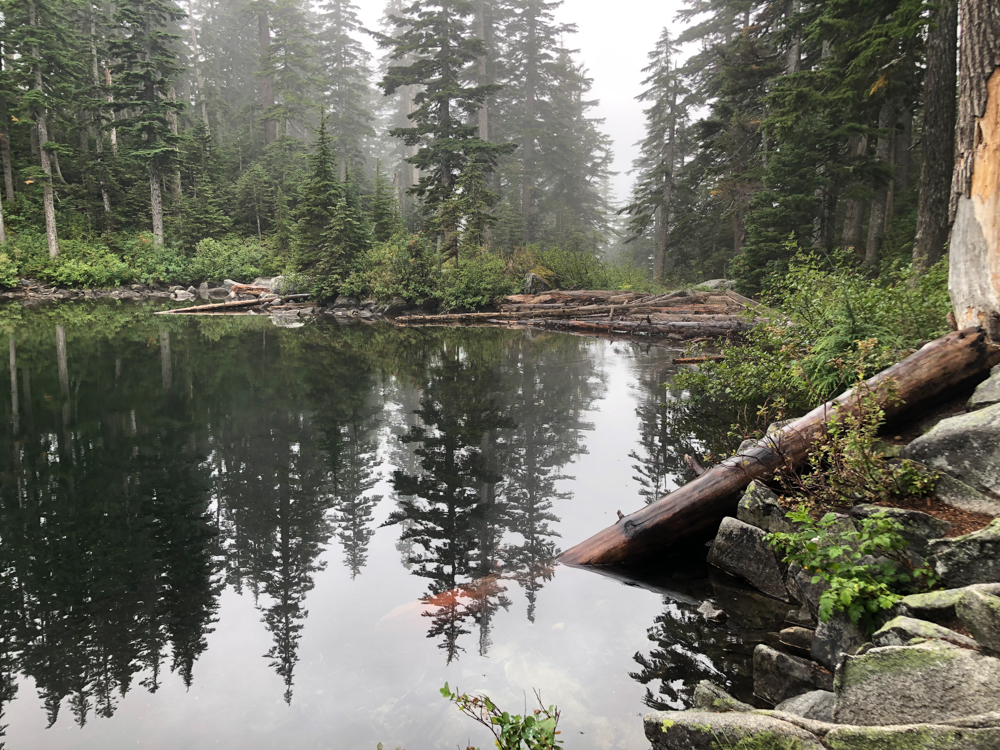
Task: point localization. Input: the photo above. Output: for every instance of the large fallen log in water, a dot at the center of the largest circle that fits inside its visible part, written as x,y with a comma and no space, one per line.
697,507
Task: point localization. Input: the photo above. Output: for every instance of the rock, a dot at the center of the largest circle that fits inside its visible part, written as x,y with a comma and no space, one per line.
918,528
396,306
711,613
217,293
535,284
801,617
281,285
739,549
958,494
902,630
228,284
286,321
778,676
798,639
759,507
182,296
926,682
939,606
710,697
912,737
816,705
343,302
988,392
803,590
966,446
262,281
834,638
979,613
699,730
718,284
969,559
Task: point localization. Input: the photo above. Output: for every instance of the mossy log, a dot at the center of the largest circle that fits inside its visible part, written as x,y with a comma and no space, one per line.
698,507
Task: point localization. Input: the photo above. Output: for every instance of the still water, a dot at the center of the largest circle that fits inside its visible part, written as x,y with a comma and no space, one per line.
225,533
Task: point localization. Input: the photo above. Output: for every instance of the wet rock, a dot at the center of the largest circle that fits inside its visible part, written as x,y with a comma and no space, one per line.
710,697
969,559
801,617
535,284
800,585
958,494
778,676
264,281
203,290
345,302
217,293
396,306
699,730
834,638
718,284
966,446
759,507
900,631
286,321
939,606
988,392
739,549
918,528
926,682
182,295
798,639
711,613
979,613
816,705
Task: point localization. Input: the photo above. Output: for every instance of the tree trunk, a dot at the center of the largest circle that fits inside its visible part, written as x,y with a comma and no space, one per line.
876,221
113,131
695,509
528,134
663,223
175,174
484,118
267,82
156,202
14,410
166,360
793,56
974,281
41,127
854,217
8,172
196,57
938,137
3,229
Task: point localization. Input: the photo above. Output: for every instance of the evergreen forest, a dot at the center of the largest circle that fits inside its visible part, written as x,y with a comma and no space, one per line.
442,155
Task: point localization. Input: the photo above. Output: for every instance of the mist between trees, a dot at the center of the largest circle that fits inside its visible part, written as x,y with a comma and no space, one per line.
799,124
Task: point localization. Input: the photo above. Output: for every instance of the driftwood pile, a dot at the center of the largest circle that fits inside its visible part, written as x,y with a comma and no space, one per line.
678,315
249,299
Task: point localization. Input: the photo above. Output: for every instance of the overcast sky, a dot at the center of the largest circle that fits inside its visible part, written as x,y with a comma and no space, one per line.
614,38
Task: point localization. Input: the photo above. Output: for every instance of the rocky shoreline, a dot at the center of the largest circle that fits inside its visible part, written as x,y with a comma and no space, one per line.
929,677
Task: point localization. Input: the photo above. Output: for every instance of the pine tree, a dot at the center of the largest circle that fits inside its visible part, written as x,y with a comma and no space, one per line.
348,235
319,195
146,65
437,42
383,208
666,114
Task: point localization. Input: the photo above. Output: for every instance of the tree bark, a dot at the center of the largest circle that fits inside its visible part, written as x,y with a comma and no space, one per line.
8,172
41,126
156,202
876,221
938,137
696,508
267,81
854,218
113,131
14,410
483,115
663,215
974,257
196,57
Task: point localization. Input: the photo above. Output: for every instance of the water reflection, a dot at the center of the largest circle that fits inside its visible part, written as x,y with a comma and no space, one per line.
152,463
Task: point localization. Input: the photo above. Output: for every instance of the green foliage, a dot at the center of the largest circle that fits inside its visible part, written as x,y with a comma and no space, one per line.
80,263
233,257
535,731
478,280
152,264
858,587
401,267
839,324
582,270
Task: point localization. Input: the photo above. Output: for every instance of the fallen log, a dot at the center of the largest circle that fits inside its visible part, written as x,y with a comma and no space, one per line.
697,507
215,306
698,360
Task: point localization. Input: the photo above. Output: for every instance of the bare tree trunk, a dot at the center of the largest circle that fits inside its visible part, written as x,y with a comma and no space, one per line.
175,175
484,119
113,132
938,137
854,218
793,56
48,200
975,236
876,222
196,56
663,223
8,172
156,202
267,82
3,229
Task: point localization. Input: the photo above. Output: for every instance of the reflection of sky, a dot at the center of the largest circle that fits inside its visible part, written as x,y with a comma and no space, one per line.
369,674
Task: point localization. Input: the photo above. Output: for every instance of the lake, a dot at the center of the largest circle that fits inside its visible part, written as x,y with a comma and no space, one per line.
232,532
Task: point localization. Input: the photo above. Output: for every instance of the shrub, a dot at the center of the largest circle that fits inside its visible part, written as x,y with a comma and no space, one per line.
80,263
582,270
238,258
402,266
150,264
535,731
478,280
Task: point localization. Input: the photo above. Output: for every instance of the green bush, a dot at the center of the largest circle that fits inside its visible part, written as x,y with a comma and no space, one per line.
403,266
479,279
581,270
150,264
80,263
233,257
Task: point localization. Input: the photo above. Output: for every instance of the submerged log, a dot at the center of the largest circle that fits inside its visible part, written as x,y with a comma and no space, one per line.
697,507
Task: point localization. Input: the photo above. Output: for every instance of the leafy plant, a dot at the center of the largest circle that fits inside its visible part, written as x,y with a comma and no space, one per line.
478,280
859,585
238,258
535,731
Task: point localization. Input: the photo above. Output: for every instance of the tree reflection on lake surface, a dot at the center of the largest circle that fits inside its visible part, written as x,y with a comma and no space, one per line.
178,493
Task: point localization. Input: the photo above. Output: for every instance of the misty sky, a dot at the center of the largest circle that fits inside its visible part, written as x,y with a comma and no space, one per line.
614,38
